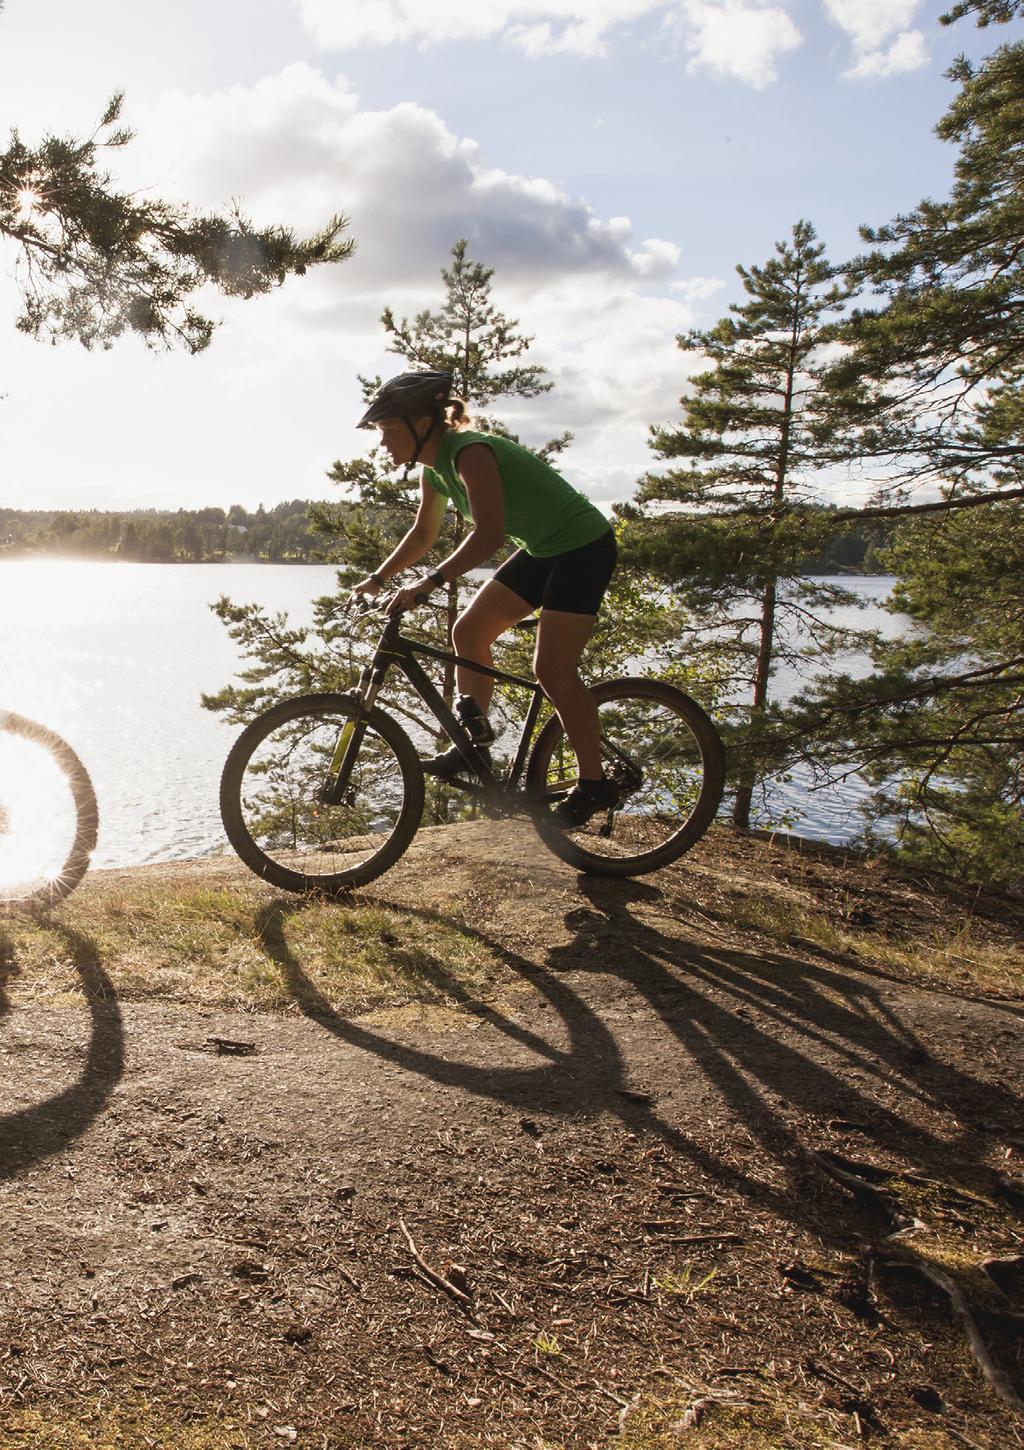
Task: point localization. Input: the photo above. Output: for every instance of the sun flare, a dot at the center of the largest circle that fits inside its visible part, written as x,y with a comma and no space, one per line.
28,200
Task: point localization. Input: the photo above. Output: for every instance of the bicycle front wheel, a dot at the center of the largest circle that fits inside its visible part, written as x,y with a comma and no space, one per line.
48,815
270,796
665,755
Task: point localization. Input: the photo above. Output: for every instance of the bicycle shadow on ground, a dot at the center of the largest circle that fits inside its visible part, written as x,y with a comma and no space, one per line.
825,1043
32,1133
586,1077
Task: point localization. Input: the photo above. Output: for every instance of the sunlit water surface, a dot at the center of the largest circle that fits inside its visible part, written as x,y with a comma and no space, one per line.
115,657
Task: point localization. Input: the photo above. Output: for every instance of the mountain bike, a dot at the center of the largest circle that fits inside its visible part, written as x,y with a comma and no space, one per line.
48,815
325,792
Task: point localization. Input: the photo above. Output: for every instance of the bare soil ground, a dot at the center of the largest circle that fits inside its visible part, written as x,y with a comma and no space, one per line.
570,1199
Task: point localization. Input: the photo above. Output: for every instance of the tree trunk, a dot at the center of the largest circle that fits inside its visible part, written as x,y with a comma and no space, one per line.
745,792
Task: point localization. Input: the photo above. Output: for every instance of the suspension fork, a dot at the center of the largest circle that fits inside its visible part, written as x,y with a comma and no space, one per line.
350,736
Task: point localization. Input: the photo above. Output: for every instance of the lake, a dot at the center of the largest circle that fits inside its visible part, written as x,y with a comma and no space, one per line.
115,657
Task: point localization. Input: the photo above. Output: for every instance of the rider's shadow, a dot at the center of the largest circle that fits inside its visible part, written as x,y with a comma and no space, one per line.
780,1040
30,1134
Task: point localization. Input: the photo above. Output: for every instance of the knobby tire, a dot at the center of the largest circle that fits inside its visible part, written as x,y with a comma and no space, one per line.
286,749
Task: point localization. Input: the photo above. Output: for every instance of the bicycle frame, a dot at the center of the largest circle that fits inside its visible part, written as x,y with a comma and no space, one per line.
395,650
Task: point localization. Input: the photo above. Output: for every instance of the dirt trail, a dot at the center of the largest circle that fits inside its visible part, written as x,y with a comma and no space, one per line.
604,1159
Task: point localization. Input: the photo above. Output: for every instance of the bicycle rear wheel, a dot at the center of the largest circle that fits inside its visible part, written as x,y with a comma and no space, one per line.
48,815
270,806
667,758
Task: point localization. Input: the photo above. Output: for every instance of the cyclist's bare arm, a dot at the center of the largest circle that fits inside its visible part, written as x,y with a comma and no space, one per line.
483,488
420,539
478,470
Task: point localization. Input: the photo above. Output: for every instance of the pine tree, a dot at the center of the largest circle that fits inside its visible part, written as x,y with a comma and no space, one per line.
931,395
731,528
985,11
931,381
484,349
95,263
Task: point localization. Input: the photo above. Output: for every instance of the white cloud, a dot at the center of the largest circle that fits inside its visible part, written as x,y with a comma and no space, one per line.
697,289
869,22
537,26
738,39
883,45
598,300
907,52
298,146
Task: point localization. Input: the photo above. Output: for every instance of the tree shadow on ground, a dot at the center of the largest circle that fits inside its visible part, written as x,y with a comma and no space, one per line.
30,1134
814,1034
774,1037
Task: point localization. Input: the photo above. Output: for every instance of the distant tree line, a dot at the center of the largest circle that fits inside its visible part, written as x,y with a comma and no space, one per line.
288,533
283,534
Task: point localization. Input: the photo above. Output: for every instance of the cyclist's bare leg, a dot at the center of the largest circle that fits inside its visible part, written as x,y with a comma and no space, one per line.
561,640
494,609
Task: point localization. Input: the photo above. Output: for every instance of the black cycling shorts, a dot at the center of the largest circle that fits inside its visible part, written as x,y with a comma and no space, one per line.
573,582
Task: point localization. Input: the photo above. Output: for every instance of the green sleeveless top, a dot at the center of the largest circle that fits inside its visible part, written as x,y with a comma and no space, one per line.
543,514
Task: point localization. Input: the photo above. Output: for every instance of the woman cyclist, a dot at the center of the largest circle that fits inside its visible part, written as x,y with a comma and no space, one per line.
562,565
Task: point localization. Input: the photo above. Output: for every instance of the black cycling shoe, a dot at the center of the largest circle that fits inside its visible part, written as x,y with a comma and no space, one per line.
587,798
451,763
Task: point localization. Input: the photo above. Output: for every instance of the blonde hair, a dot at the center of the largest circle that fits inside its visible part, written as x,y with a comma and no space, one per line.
456,414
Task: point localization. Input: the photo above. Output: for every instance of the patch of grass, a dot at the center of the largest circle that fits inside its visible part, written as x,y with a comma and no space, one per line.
684,1283
785,919
957,955
547,1344
238,947
114,1428
664,1425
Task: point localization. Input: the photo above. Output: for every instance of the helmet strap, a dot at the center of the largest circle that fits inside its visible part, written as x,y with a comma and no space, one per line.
418,441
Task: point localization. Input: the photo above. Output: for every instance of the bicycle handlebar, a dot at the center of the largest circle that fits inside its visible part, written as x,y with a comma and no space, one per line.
360,604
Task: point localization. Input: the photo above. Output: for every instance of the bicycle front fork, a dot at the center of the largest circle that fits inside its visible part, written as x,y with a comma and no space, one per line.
350,737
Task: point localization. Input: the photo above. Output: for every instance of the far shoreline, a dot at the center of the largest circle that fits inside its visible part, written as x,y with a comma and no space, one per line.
38,557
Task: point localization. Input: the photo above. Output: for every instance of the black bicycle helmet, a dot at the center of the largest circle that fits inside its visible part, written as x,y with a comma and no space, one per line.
410,395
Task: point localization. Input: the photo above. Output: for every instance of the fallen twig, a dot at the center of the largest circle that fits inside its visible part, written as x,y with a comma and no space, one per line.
438,1280
708,1239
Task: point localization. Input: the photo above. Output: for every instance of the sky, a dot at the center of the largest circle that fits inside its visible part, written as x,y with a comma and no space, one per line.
613,160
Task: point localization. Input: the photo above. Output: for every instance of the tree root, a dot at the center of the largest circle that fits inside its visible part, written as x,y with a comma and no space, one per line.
888,1254
904,1258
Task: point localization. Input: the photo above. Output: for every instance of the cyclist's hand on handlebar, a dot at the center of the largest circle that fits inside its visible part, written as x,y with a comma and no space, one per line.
361,594
418,592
